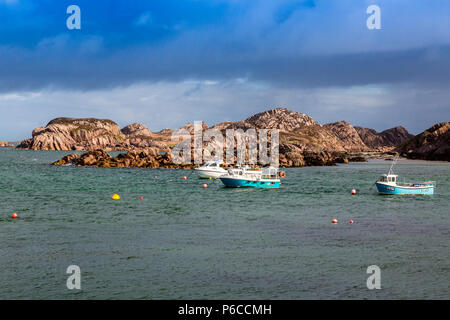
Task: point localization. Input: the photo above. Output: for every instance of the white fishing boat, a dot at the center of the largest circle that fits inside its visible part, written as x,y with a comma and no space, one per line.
211,169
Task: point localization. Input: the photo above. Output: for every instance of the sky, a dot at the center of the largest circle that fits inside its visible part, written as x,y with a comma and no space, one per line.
164,63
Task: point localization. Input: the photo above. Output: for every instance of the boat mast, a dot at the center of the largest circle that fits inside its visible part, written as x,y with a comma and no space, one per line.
393,163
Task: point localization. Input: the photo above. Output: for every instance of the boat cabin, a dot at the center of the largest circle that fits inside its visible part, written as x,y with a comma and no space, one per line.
212,164
388,178
269,173
236,171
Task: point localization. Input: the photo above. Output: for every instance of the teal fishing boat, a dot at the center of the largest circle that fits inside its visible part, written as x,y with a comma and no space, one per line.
389,184
246,177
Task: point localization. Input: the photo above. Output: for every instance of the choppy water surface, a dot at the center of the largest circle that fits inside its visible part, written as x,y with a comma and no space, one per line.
184,242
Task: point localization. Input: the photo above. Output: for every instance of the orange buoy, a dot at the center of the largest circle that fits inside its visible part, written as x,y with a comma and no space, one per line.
14,215
353,191
282,174
351,222
334,221
205,186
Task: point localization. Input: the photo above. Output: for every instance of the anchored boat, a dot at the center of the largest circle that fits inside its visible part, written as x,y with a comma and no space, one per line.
211,169
388,184
247,177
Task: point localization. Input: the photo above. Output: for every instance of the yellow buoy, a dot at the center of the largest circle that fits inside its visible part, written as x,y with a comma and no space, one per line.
116,196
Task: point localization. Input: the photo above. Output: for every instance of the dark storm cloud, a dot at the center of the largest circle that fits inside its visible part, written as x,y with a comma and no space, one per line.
167,62
419,66
289,43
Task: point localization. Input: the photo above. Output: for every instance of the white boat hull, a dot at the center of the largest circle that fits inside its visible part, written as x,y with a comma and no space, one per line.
206,174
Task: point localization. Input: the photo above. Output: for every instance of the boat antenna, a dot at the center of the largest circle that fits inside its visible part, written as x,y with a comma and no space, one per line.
394,161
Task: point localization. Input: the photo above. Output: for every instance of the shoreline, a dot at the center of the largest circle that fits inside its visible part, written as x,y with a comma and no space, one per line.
370,157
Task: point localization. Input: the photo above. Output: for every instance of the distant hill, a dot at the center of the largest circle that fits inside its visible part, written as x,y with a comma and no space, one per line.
385,140
349,137
303,141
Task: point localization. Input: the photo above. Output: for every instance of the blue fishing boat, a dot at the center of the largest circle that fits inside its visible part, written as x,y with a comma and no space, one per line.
246,177
388,184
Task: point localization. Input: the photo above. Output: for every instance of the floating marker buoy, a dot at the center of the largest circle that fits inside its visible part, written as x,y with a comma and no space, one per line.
353,191
351,222
205,186
115,196
184,178
210,178
14,215
141,198
334,221
156,177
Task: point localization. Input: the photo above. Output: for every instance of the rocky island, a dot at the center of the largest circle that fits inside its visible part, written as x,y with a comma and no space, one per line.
6,144
89,134
303,141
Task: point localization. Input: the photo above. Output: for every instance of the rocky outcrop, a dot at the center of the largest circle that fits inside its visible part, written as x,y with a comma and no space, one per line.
350,139
90,134
432,144
4,144
75,134
146,158
314,138
303,141
293,156
139,136
297,129
190,127
280,118
290,156
136,130
386,140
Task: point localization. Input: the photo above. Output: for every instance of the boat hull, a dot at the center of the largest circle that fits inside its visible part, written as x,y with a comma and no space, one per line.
206,174
246,183
399,190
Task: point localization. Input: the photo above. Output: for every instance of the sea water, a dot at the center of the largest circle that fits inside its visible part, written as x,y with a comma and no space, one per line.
185,242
